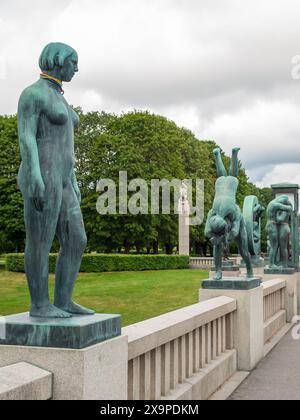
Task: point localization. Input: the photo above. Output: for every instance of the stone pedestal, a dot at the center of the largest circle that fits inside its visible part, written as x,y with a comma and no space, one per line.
248,328
292,289
98,373
257,271
228,270
86,354
77,332
257,262
279,271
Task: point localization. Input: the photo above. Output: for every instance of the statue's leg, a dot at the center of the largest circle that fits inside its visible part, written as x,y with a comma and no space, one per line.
40,232
284,234
72,238
218,252
274,244
234,165
221,171
242,240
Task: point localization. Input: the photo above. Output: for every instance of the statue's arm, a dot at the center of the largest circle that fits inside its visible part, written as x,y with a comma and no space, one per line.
207,231
236,225
284,207
29,110
76,187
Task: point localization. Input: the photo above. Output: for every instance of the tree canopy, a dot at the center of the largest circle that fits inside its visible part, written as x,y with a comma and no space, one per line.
145,145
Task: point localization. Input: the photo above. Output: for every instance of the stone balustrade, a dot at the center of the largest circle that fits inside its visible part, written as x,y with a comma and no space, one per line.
201,263
274,307
171,356
187,354
23,381
206,263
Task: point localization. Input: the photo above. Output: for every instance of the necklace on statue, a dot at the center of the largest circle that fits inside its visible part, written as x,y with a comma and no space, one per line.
53,80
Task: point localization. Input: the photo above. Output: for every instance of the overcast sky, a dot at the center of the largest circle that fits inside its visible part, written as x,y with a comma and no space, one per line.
222,68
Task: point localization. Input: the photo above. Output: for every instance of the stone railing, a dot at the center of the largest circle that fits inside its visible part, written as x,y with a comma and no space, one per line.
274,307
186,354
206,263
201,263
23,381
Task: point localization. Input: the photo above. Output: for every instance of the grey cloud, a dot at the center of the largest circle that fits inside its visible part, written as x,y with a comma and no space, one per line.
220,67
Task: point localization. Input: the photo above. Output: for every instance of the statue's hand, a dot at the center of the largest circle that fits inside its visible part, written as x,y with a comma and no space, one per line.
37,193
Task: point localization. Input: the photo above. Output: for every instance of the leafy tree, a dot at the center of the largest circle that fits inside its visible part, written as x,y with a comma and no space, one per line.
145,145
12,235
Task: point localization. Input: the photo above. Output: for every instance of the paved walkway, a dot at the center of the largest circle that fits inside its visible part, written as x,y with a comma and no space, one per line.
277,377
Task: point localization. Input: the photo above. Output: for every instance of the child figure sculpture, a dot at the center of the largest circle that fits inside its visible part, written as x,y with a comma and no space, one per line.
225,221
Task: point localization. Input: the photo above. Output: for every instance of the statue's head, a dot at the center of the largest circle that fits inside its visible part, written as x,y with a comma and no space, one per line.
60,60
283,199
218,226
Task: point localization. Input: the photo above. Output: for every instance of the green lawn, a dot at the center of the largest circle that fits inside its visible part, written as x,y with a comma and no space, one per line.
136,295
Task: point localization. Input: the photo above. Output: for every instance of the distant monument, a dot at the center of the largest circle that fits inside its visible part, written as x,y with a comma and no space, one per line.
225,222
184,221
278,228
252,213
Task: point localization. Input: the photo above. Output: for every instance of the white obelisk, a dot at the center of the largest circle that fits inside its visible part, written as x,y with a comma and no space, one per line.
184,221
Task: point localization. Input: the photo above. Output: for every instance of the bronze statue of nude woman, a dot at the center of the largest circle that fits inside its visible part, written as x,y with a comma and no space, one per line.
48,183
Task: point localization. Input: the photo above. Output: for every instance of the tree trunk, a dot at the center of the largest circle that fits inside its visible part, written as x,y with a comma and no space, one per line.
169,249
127,247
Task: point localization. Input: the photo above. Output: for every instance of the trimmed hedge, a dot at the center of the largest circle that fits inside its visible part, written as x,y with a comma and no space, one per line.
99,263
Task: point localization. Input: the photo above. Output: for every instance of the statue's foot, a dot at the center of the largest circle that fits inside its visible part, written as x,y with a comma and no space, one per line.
75,309
236,150
250,275
218,276
48,311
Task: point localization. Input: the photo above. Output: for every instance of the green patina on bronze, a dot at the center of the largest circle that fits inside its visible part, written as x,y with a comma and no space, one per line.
225,222
236,283
77,332
292,191
278,228
252,213
48,183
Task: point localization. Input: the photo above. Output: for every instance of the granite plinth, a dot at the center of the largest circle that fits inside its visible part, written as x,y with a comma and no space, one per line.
227,264
280,271
257,262
234,283
78,332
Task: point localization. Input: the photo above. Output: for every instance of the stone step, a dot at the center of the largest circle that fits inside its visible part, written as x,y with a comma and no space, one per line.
23,381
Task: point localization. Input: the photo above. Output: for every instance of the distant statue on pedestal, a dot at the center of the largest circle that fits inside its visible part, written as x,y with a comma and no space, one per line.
252,213
278,228
225,221
184,221
48,183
